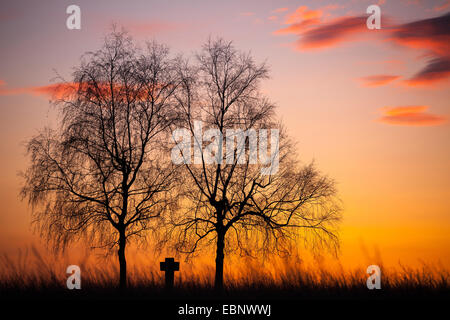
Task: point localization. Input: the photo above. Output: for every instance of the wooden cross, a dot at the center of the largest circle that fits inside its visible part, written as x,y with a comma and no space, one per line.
169,266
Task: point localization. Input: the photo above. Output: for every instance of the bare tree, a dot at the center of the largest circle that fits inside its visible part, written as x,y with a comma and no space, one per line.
231,203
103,175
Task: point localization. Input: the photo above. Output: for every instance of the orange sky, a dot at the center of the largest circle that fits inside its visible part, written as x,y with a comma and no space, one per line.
371,107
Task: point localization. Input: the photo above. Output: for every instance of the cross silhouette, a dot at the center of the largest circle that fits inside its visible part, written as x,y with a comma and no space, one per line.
169,266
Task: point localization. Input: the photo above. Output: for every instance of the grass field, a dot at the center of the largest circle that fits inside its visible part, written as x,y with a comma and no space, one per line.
31,276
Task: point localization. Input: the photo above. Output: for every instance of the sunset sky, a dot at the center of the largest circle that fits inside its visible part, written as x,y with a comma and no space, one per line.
370,107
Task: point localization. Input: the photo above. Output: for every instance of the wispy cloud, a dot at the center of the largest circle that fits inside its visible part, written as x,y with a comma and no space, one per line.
330,34
303,13
279,10
442,7
437,70
56,90
410,116
299,27
66,90
429,35
315,29
433,36
377,80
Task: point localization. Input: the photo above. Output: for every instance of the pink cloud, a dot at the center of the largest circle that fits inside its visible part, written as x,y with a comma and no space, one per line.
303,13
410,116
330,34
377,80
442,7
437,70
56,90
299,27
433,36
430,35
315,30
279,10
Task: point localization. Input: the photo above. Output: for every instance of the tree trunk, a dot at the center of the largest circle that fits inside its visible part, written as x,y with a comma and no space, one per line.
122,260
218,282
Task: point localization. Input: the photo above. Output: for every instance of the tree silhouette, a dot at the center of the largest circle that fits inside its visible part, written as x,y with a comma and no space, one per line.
104,175
231,203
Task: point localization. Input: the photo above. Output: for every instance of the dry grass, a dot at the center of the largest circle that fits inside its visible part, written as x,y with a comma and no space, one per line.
32,275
